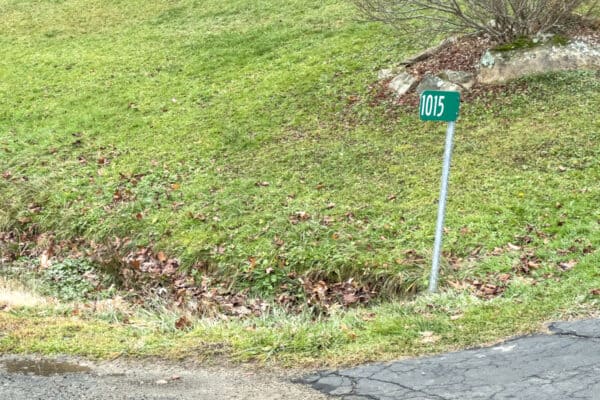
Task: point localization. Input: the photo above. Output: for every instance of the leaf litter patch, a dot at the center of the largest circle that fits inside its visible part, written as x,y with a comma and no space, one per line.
147,275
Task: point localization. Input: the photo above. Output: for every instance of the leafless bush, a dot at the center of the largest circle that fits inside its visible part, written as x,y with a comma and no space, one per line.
503,20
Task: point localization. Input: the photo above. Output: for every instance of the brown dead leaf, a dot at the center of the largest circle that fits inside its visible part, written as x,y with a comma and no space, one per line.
303,216
299,216
349,332
34,208
262,184
45,259
117,195
458,285
350,298
327,220
595,292
490,289
568,265
428,337
368,317
161,256
183,323
220,250
24,220
198,217
513,247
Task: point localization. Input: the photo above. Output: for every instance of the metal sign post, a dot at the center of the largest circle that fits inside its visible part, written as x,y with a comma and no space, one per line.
440,106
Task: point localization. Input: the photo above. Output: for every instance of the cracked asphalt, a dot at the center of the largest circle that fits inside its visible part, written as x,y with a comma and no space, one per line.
69,378
562,365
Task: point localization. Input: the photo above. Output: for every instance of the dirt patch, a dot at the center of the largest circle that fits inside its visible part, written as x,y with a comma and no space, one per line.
12,295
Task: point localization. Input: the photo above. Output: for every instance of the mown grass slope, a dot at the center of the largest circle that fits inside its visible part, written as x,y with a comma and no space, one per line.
204,128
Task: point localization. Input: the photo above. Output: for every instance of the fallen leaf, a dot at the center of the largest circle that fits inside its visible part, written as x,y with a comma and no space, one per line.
349,332
350,298
182,323
220,250
489,289
299,216
161,256
567,265
327,220
513,247
198,217
369,317
45,259
428,337
262,184
24,220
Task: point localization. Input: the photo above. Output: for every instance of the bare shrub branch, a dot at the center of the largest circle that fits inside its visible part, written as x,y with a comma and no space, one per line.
503,20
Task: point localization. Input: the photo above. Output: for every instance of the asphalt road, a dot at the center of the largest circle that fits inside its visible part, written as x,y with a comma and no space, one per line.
563,365
74,379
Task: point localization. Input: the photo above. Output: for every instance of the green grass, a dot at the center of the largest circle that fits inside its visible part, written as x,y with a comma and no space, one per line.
205,99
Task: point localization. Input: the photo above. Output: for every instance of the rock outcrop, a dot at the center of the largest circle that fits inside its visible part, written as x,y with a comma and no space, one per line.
503,66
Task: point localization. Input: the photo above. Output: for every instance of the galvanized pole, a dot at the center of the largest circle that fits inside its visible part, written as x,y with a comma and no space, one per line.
439,231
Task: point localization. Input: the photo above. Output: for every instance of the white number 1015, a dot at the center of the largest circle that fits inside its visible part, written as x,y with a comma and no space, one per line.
432,105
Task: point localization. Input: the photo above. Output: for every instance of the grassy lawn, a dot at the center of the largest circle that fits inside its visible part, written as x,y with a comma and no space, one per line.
204,128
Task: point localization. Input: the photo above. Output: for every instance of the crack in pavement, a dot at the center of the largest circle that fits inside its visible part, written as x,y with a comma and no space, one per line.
558,366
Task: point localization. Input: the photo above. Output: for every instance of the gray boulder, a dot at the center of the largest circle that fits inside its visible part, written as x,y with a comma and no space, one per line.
461,78
402,83
432,82
503,66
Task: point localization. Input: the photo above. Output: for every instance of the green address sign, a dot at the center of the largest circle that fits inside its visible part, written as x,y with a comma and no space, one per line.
439,106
